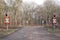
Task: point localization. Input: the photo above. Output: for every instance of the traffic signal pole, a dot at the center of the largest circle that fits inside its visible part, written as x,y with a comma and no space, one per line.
7,26
7,21
54,21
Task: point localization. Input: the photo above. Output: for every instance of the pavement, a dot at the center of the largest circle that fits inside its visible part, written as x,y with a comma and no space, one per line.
31,33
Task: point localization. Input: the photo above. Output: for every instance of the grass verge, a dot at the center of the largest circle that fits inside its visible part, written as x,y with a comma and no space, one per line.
4,32
53,30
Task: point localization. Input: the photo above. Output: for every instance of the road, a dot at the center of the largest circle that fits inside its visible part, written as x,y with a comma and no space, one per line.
31,33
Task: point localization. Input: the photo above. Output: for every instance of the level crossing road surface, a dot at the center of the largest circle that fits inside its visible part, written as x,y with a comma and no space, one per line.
31,33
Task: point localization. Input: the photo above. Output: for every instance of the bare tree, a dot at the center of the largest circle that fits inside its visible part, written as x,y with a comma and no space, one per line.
28,10
50,8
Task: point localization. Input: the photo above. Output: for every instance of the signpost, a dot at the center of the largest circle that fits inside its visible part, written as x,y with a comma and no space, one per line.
54,21
7,18
9,3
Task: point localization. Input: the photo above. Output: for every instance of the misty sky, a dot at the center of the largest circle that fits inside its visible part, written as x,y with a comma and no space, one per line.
36,1
40,2
57,2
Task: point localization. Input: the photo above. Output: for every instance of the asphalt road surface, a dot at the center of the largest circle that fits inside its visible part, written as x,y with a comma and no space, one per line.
31,33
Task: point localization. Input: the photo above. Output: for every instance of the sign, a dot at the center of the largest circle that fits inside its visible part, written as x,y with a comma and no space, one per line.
7,20
54,20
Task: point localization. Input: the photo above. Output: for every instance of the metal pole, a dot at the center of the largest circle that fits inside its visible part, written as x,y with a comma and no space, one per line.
7,26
